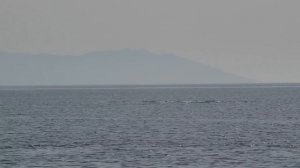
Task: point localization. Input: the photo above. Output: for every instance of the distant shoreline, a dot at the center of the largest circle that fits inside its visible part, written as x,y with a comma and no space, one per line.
151,86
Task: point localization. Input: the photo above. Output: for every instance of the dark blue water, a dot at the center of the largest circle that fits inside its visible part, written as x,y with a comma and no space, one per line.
150,127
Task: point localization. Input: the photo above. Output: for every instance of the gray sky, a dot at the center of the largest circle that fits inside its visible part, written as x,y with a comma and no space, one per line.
258,39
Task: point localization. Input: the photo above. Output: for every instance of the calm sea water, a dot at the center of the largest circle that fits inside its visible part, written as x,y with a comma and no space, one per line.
150,127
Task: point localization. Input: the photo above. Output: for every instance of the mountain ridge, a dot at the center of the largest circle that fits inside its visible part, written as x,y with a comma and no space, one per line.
108,68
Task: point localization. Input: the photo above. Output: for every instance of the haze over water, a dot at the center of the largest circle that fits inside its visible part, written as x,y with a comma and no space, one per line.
150,127
54,55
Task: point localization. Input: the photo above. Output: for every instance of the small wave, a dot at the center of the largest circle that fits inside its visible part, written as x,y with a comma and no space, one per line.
197,101
180,101
150,101
166,101
211,101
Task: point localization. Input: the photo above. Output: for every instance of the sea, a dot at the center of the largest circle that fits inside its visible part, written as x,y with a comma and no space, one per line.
180,126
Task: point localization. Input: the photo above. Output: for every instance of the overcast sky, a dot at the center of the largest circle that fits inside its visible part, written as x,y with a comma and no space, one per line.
258,39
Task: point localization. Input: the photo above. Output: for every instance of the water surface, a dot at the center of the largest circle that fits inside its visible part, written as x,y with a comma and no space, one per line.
150,126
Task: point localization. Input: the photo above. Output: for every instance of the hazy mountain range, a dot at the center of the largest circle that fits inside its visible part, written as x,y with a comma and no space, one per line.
108,67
